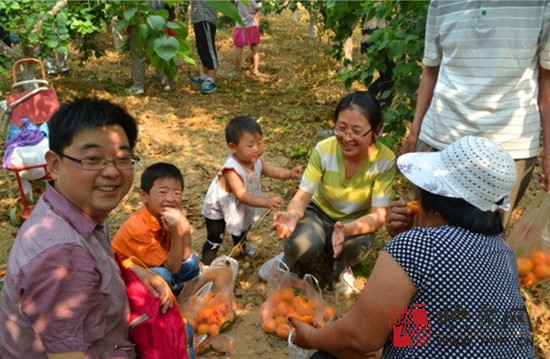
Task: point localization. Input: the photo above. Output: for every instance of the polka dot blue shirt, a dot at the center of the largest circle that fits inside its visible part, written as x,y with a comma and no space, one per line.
468,303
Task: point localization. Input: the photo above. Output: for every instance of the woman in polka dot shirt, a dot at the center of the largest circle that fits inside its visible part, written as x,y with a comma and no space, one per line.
446,286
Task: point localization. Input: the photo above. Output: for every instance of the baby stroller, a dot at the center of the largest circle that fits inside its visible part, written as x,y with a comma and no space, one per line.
28,109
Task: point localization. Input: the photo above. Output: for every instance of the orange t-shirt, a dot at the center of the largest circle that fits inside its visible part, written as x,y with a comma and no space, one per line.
143,237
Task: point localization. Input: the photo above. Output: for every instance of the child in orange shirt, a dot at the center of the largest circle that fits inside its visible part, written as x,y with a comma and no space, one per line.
159,234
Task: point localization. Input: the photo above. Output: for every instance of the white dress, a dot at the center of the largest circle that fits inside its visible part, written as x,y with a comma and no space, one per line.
220,204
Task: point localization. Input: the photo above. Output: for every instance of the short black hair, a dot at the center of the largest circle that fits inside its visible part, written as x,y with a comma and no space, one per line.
460,213
87,113
365,103
157,171
239,126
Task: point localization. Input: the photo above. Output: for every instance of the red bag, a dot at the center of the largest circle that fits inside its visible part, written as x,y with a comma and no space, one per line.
37,104
156,335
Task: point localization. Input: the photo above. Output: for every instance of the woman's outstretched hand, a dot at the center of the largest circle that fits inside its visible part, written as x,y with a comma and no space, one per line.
284,224
338,237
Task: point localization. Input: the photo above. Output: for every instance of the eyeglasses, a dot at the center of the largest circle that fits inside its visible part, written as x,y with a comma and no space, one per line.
98,163
353,135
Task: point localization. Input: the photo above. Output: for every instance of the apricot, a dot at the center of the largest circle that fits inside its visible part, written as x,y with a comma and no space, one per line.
280,320
542,271
269,325
214,329
305,318
282,309
529,279
283,330
414,206
524,266
301,305
277,297
538,257
328,313
203,329
287,294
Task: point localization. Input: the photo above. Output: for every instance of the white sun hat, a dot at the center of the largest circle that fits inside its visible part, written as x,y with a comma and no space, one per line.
472,168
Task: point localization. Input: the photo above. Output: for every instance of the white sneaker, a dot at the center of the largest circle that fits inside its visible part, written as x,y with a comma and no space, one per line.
234,75
346,284
135,91
265,269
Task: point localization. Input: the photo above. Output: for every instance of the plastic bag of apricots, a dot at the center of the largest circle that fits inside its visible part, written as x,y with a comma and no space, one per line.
208,300
530,239
290,296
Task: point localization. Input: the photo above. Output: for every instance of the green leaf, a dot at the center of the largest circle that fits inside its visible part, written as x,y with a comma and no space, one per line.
142,32
52,44
166,47
33,38
129,13
121,25
227,8
155,22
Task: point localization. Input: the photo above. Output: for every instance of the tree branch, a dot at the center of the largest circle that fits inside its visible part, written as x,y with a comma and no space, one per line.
8,52
57,7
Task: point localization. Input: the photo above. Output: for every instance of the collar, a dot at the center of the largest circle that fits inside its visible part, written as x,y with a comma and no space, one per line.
150,220
72,214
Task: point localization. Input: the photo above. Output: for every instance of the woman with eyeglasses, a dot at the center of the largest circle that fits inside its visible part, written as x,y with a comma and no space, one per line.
343,196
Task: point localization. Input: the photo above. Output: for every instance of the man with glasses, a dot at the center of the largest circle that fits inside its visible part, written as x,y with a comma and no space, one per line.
63,296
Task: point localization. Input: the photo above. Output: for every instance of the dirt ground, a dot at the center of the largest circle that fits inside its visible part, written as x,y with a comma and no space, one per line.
292,98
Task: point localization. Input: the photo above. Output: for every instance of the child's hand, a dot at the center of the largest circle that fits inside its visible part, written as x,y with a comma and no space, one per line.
274,202
295,172
174,222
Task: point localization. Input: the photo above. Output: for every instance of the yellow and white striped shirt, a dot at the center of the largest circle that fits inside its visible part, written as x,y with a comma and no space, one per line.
342,198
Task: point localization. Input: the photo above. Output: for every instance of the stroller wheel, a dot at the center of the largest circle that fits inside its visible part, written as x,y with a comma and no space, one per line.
15,216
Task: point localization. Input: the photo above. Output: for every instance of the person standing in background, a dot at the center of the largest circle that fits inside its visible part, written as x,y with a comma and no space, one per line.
204,19
249,34
487,73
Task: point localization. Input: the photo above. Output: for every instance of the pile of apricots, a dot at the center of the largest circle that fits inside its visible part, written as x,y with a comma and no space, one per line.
215,314
286,302
535,268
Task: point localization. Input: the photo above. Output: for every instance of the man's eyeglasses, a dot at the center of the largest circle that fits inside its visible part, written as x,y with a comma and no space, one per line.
98,163
354,135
